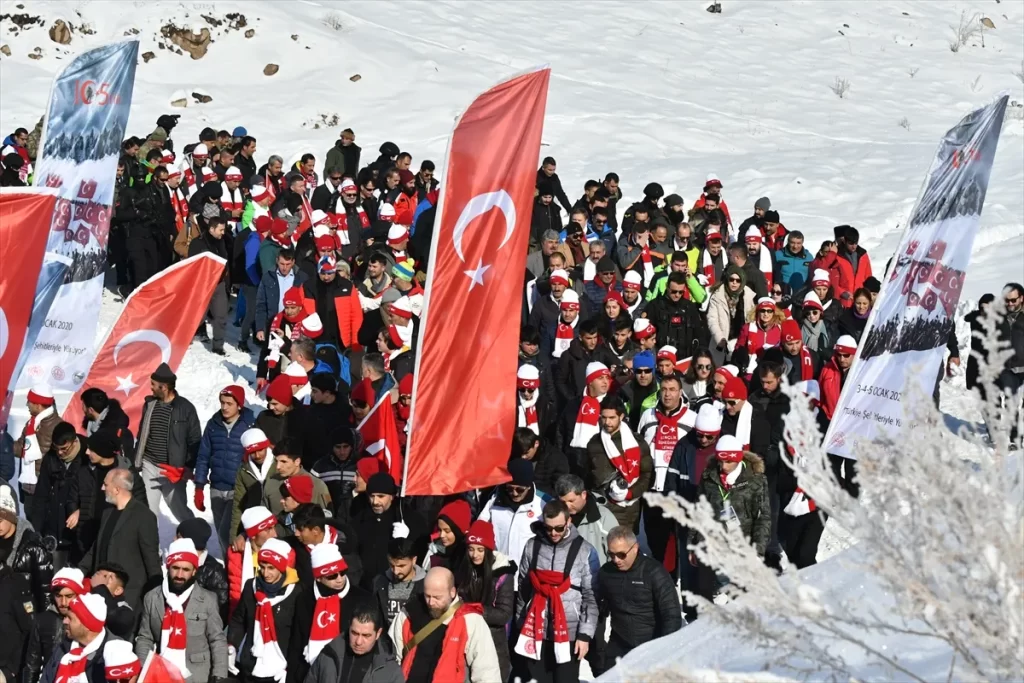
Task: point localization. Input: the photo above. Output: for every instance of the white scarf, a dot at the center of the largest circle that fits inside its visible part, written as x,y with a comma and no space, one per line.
261,472
94,425
175,603
583,432
313,647
89,649
562,344
618,460
523,405
248,568
589,270
270,661
743,424
765,264
305,393
632,309
31,453
229,202
731,478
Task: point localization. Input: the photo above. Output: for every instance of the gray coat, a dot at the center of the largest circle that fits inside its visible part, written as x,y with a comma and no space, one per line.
184,433
580,601
206,648
328,665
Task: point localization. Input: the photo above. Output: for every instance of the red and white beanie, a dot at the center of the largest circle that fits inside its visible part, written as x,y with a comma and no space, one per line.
277,554
397,234
311,326
632,280
167,157
72,579
259,193
401,308
327,560
296,374
596,370
254,440
713,234
846,344
570,301
729,449
559,277
233,174
712,179
209,175
119,661
728,372
257,519
766,303
91,610
820,278
709,419
528,377
41,394
753,235
667,353
182,550
173,171
319,217
346,185
200,151
386,213
643,328
812,301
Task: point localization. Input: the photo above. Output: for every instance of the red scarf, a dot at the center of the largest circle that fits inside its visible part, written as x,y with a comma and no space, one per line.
173,631
627,462
806,364
180,204
548,588
72,666
531,418
667,436
708,267
326,621
270,661
586,421
341,219
564,334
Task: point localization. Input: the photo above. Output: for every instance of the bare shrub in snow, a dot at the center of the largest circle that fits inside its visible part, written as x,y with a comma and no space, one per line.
912,71
965,31
840,87
941,526
332,20
905,123
1020,74
975,85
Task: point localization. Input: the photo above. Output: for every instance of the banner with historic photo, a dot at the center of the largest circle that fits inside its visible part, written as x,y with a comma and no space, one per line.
82,135
905,337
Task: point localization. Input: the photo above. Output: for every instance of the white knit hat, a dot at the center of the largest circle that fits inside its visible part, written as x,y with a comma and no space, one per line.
570,298
327,560
257,519
254,439
259,193
296,373
846,344
397,233
642,328
820,275
312,326
200,150
527,377
812,300
233,174
119,660
71,578
346,184
595,370
182,550
709,419
319,217
753,234
91,610
632,280
386,212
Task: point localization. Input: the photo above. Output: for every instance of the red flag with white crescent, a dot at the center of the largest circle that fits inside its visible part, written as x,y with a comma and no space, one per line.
25,215
156,326
462,418
379,433
159,669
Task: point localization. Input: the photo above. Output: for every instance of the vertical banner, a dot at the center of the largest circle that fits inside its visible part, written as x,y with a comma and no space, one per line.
25,215
51,277
156,326
82,136
905,337
462,422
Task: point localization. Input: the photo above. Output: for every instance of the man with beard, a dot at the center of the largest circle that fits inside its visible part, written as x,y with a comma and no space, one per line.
181,620
351,218
461,648
380,522
79,657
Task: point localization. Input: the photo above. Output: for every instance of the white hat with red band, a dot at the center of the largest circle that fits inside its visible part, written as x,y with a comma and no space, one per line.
276,553
766,303
846,344
632,280
254,440
327,560
811,300
820,278
528,377
233,174
257,519
642,329
91,610
183,550
709,419
596,370
667,353
570,300
753,234
72,579
559,276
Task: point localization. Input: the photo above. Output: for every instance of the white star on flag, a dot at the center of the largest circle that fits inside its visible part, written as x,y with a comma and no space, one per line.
330,618
476,275
177,631
126,384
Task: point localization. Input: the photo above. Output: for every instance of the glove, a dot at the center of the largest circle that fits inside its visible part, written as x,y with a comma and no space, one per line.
200,498
399,530
846,296
617,490
173,474
232,656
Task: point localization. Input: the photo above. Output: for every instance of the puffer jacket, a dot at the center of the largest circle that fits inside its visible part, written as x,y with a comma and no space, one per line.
221,452
580,601
31,559
213,576
498,611
793,269
748,497
642,601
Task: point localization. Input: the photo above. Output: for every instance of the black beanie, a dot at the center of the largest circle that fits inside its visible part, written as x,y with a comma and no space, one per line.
381,482
654,191
521,471
605,265
197,529
105,443
771,216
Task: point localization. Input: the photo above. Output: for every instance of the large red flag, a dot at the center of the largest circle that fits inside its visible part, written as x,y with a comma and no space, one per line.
158,669
156,326
25,215
462,413
379,432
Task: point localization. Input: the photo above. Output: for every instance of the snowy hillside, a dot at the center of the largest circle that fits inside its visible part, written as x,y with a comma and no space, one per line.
655,91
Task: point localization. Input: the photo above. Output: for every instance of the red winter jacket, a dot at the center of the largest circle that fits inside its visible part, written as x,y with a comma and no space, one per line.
841,274
830,382
778,240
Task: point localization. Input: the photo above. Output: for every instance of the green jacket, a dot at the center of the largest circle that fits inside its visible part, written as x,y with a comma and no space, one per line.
335,159
660,283
748,497
267,255
248,492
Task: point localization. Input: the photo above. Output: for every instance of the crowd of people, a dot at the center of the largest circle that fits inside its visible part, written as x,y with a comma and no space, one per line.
654,346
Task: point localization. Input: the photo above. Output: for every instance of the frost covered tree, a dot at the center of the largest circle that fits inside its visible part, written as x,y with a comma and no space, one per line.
940,529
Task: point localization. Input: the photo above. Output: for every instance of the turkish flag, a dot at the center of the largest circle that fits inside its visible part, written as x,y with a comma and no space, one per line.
379,432
25,216
156,326
462,411
159,670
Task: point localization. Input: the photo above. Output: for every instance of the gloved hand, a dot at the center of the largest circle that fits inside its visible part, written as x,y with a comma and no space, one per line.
399,530
200,498
846,296
232,656
617,490
173,474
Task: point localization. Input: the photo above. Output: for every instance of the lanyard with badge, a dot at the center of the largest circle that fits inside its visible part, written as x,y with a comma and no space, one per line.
728,514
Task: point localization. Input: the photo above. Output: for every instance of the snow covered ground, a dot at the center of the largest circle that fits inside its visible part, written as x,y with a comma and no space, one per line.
655,91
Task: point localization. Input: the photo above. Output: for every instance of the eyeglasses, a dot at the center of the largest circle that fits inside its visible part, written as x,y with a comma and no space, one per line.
621,556
732,402
1013,301
554,529
703,367
512,488
734,279
643,371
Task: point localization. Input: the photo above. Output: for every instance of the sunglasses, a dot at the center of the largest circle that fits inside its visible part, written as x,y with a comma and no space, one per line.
676,291
333,577
705,437
777,292
732,402
621,556
642,371
703,367
734,279
843,355
554,529
512,488
350,195
336,178
1012,301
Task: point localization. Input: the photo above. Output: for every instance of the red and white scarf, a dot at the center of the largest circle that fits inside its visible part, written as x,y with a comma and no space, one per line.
671,428
564,334
330,538
528,413
72,666
232,200
645,258
270,661
707,266
799,503
548,588
586,421
765,264
173,631
743,424
627,462
341,219
31,452
326,621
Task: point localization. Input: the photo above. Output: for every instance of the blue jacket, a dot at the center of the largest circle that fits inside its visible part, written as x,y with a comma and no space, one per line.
792,269
221,453
252,258
269,294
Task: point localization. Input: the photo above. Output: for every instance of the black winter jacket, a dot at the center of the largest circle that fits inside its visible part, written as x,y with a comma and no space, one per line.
642,601
17,628
243,620
31,560
85,494
572,368
49,508
556,188
305,609
679,324
213,576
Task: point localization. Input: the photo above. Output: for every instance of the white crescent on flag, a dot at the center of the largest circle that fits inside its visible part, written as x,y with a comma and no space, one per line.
478,206
152,336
